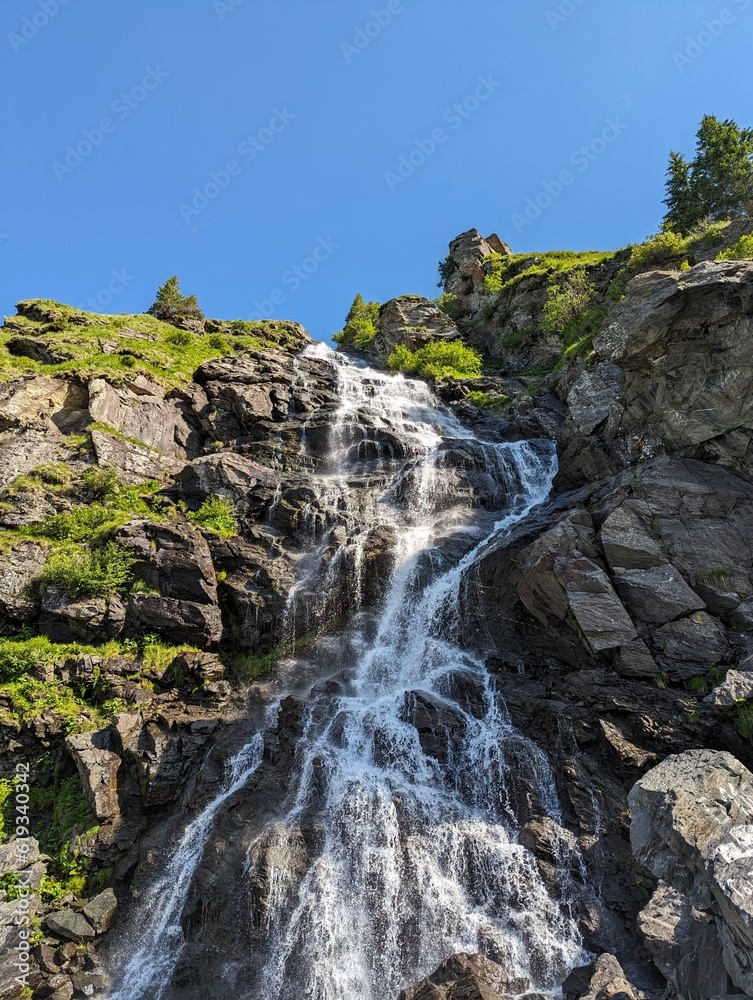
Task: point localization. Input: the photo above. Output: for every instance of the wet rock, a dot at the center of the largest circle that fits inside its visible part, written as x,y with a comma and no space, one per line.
70,925
440,726
692,826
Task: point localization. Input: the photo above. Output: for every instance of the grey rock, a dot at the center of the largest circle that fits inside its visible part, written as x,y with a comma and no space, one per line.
70,925
413,321
592,397
656,596
101,911
736,686
467,977
690,646
692,826
178,621
19,566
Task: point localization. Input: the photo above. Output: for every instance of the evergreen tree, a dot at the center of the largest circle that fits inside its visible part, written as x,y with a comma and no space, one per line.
171,305
718,183
680,215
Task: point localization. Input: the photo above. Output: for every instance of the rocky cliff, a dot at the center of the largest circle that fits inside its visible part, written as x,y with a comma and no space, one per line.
164,544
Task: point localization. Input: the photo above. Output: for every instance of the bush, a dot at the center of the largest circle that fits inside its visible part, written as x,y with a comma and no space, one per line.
450,305
437,360
88,572
77,525
742,250
567,302
216,514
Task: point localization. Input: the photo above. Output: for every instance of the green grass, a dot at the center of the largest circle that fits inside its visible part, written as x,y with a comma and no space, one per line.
217,515
439,359
493,401
504,272
122,346
19,656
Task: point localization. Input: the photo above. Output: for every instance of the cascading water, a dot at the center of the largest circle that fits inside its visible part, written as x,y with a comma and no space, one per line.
411,771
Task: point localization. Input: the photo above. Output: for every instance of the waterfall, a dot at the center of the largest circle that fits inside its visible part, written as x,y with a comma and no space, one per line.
416,777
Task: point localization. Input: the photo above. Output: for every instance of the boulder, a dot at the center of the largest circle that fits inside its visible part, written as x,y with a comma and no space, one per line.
133,462
413,321
174,558
656,596
70,925
604,980
690,646
466,977
692,827
101,911
248,485
98,765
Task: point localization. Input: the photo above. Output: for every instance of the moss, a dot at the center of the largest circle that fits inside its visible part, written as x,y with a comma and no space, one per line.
119,347
494,401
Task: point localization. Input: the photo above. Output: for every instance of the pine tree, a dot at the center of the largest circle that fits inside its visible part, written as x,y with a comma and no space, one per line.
680,215
717,184
171,305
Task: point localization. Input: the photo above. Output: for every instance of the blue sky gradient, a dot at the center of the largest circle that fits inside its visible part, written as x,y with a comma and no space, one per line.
282,156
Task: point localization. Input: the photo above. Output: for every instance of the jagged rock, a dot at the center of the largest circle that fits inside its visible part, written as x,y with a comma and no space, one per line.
467,252
19,565
248,485
605,980
70,925
101,911
466,977
692,826
133,462
40,400
66,619
592,397
691,646
413,321
12,860
656,596
137,408
655,335
163,753
177,620
98,766
737,686
558,576
57,987
174,558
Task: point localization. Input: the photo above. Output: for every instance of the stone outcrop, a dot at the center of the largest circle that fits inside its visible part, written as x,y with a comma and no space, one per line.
413,321
468,977
692,827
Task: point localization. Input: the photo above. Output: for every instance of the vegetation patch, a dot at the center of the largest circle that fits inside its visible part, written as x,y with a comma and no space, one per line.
360,324
79,572
742,250
439,359
217,515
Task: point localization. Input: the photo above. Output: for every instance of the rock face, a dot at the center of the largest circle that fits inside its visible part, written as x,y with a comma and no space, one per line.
413,321
692,827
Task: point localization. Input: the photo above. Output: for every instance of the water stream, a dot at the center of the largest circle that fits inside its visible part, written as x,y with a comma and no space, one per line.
416,779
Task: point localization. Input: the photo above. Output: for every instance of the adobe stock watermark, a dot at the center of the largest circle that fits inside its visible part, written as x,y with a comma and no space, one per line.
122,107
373,28
454,118
705,38
38,21
23,876
564,11
119,281
581,159
294,278
249,149
224,7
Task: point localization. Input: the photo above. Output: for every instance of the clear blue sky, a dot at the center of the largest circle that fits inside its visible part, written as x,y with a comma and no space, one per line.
316,117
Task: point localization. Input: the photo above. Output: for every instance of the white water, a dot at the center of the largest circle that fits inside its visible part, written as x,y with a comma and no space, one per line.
419,856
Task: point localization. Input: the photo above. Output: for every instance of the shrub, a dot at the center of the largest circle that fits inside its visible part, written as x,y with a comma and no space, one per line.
567,301
742,250
216,514
77,525
437,360
88,572
100,482
450,305
444,269
180,338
